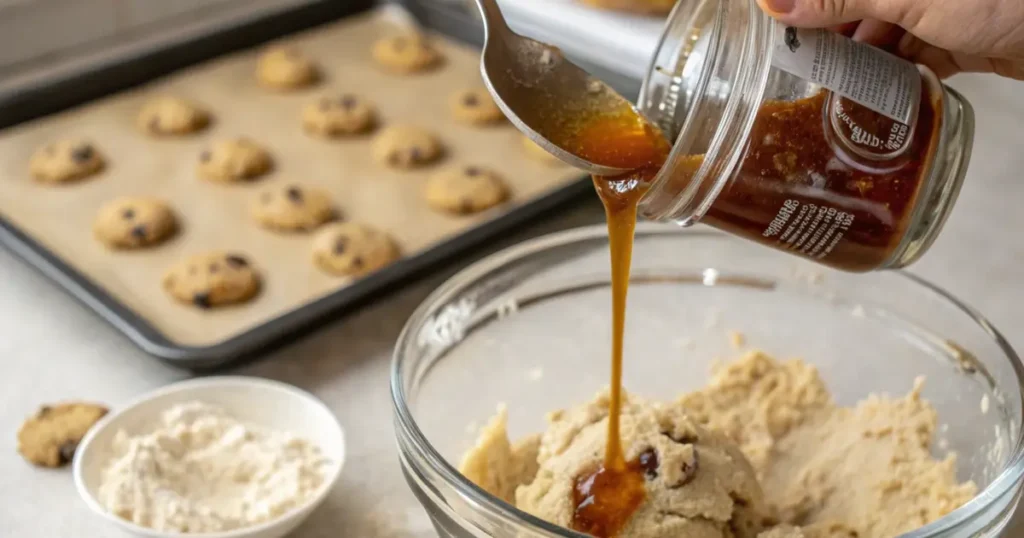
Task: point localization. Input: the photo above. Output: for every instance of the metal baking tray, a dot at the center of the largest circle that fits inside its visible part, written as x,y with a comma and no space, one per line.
453,19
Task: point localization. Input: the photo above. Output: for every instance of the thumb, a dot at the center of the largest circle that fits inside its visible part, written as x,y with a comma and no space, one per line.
826,13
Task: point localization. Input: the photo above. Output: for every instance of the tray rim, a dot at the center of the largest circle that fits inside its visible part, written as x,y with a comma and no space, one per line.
53,96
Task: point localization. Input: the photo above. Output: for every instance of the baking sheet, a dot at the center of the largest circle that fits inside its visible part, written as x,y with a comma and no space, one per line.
215,216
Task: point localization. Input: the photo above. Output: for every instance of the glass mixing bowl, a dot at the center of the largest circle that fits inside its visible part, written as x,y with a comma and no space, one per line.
530,326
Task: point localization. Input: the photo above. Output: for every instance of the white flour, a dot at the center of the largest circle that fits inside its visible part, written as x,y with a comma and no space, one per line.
201,470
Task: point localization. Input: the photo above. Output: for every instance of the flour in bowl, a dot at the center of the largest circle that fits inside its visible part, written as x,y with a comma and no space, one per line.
201,470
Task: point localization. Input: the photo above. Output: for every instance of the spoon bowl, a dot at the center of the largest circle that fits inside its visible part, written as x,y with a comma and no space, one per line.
543,94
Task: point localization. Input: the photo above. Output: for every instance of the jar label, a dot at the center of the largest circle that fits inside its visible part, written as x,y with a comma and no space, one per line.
866,134
809,229
867,75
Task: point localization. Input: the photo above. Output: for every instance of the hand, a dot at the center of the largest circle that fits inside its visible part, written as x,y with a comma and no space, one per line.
948,36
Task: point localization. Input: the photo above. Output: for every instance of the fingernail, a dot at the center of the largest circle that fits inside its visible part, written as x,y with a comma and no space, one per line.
777,7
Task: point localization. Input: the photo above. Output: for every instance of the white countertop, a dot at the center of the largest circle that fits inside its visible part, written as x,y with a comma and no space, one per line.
52,349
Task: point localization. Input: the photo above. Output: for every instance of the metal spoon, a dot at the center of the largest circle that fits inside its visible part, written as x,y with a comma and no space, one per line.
540,91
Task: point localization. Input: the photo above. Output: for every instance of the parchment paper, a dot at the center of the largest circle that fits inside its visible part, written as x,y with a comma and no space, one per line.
216,216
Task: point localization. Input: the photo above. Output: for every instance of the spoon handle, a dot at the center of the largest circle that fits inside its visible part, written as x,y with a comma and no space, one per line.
494,21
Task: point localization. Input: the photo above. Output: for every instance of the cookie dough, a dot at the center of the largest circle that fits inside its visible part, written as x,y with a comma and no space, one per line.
406,54
234,160
475,106
171,116
540,154
867,468
344,114
698,483
285,68
65,160
825,471
465,190
352,249
49,438
647,7
291,207
212,279
404,146
129,222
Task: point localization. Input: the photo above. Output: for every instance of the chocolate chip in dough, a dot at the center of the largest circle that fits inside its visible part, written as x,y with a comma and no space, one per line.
649,462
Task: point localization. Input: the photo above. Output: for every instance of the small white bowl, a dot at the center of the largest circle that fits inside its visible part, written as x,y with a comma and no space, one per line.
256,401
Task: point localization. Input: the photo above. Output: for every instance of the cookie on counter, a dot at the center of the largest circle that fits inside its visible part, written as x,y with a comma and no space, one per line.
406,54
212,279
292,208
345,114
134,222
540,154
644,7
64,161
232,160
50,436
465,190
405,146
171,116
352,249
475,106
285,68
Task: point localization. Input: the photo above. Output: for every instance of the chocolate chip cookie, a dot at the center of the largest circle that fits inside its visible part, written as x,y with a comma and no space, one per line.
50,436
292,208
232,160
170,116
345,114
475,106
212,279
352,249
406,54
465,190
65,160
404,146
285,68
130,222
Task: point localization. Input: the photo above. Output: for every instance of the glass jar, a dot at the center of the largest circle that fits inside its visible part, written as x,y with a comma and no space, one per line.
802,139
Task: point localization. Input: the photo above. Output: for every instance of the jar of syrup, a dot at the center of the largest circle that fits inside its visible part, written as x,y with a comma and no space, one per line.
802,140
